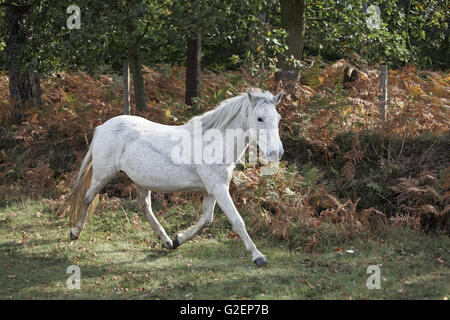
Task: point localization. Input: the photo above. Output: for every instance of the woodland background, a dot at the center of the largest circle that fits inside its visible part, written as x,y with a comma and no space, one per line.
345,177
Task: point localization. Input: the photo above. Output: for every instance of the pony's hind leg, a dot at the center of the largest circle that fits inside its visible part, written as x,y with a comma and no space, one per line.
89,202
145,203
209,203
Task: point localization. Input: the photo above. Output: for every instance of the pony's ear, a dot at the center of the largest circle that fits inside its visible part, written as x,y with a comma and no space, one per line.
277,99
251,97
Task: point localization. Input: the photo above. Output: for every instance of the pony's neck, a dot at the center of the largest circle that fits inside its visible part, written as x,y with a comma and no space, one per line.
230,120
237,145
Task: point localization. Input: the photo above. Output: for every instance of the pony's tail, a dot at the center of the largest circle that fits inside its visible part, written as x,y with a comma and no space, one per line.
74,202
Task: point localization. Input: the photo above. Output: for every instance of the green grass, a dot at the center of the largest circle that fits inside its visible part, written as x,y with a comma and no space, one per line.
120,258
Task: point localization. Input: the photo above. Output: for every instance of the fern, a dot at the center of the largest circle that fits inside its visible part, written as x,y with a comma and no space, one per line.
353,158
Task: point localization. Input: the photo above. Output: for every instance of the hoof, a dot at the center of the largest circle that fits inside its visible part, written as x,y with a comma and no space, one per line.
175,243
260,261
72,236
167,244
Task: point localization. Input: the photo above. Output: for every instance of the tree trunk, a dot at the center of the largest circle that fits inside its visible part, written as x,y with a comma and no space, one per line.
126,88
24,85
193,63
407,9
293,20
138,79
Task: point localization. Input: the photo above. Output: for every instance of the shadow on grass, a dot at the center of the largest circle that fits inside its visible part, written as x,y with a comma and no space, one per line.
41,275
206,269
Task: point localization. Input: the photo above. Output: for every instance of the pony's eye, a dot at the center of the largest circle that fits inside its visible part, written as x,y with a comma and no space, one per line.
260,119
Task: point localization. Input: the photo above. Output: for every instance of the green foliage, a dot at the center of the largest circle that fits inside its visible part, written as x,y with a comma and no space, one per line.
409,32
311,176
14,159
234,33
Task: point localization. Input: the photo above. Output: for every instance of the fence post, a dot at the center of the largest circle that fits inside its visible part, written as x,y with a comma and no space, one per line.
126,87
384,94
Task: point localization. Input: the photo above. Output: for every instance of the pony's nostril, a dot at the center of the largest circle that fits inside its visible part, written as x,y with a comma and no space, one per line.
281,153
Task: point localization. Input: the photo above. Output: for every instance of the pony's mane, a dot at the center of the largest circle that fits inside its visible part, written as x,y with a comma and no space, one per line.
227,110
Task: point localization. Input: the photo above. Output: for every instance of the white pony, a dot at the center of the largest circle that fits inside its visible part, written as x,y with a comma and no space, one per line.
145,151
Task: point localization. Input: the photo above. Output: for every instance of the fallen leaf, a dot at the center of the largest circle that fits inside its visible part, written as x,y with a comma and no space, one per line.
232,235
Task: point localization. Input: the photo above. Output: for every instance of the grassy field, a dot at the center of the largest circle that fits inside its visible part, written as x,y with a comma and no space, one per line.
120,258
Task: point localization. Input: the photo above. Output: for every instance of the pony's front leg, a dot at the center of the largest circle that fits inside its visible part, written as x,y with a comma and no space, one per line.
145,202
209,203
224,200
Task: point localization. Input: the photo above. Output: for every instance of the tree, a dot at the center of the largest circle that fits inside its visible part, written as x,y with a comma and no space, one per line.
24,81
409,31
193,63
134,58
111,33
230,23
195,18
293,20
126,22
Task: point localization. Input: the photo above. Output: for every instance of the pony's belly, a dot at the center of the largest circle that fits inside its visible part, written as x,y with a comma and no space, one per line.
148,163
167,181
171,189
171,183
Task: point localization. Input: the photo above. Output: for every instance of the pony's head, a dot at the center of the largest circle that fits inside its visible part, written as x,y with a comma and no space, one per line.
264,120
